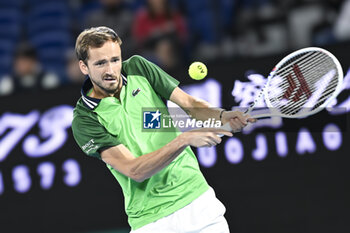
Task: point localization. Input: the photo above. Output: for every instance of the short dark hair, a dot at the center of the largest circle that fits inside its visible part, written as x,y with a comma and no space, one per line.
94,37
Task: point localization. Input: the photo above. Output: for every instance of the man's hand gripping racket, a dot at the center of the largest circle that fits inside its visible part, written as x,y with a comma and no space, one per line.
301,84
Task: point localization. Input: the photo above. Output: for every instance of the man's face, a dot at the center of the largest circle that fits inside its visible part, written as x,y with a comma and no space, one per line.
104,69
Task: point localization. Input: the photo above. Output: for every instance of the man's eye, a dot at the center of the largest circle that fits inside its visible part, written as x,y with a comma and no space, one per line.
115,60
100,63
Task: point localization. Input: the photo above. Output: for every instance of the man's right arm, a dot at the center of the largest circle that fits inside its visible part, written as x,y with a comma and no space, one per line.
143,167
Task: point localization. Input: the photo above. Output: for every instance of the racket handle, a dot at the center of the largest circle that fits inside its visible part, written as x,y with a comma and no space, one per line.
248,110
226,127
265,115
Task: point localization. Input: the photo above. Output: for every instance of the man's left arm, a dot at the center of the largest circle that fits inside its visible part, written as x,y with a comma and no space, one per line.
202,110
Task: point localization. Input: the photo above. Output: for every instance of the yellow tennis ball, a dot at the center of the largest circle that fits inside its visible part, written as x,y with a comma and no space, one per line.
197,70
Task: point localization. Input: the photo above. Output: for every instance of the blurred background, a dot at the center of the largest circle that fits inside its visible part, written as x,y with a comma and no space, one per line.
37,37
281,176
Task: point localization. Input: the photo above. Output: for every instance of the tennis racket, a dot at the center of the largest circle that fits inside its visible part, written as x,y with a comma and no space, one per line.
301,84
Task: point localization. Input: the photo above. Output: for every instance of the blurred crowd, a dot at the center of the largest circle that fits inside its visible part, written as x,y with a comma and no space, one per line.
37,37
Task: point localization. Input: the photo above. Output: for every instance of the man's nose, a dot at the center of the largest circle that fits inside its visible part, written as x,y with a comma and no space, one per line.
109,68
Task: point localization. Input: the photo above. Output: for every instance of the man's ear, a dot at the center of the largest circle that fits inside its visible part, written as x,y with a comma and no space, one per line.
83,67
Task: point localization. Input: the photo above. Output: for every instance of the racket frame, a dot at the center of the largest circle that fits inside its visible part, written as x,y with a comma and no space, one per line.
263,91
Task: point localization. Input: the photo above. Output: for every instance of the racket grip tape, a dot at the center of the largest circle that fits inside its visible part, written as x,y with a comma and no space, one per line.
226,127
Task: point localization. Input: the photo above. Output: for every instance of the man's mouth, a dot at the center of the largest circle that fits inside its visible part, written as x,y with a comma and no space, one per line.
110,79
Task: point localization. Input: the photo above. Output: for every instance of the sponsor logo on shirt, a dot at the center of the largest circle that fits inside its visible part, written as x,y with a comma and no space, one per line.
89,146
135,92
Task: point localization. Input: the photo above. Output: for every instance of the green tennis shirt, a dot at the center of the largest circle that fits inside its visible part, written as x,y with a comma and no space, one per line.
102,123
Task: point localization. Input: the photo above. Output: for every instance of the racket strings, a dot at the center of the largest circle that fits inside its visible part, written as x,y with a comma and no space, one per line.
295,106
288,69
314,68
316,72
305,69
311,86
300,59
321,71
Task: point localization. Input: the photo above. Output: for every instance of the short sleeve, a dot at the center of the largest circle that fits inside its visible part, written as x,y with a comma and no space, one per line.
91,136
162,83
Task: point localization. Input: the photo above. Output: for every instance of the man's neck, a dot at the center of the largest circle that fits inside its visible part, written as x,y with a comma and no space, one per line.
100,95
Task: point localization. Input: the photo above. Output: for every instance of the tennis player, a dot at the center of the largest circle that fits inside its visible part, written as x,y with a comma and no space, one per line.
163,187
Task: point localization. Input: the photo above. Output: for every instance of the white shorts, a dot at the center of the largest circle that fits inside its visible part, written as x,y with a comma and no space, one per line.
203,215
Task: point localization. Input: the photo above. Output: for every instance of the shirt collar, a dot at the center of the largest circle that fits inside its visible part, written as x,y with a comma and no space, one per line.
88,101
